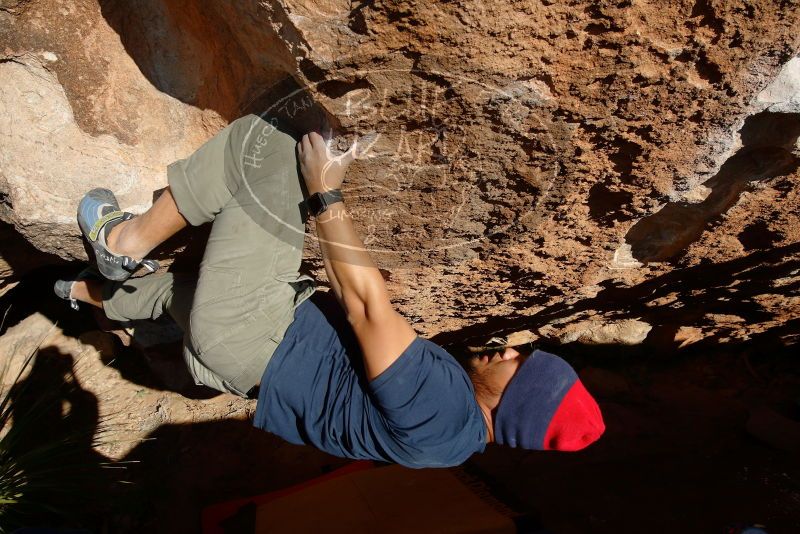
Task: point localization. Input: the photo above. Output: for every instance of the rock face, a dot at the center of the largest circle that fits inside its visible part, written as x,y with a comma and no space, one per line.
600,172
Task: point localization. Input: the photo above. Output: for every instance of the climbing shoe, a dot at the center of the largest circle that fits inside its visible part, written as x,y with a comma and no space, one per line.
63,288
98,213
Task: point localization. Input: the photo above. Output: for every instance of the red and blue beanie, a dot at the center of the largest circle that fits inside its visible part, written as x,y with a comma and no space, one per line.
546,407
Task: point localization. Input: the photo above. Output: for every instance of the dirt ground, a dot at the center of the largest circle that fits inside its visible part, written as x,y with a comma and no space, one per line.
699,441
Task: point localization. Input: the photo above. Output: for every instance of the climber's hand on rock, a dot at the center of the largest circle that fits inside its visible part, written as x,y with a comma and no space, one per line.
322,170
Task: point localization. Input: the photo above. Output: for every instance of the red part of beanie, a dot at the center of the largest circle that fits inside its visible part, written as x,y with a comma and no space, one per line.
577,422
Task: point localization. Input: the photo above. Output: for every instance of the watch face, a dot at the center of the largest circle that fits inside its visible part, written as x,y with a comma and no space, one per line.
316,204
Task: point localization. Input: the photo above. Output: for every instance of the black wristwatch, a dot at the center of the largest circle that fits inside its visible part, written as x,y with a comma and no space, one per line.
317,203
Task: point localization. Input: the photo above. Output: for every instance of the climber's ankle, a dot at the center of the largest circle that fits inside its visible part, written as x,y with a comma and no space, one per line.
89,291
122,240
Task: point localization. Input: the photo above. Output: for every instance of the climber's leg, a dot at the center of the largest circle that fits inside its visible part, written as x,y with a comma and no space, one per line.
185,200
246,179
148,297
88,291
138,236
248,283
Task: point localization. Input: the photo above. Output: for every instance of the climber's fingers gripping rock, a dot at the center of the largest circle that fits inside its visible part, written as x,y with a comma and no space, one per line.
323,168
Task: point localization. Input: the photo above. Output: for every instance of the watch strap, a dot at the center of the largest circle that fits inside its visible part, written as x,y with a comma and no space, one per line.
332,196
318,203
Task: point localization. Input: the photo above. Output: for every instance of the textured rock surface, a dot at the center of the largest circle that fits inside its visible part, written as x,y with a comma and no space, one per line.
606,172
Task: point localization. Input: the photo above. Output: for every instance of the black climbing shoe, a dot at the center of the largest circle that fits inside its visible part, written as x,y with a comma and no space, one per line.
63,288
98,213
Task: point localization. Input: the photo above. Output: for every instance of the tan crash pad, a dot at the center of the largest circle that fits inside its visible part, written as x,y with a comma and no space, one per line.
386,500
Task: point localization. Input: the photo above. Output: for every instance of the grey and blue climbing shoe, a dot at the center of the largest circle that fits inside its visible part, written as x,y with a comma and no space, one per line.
98,213
63,288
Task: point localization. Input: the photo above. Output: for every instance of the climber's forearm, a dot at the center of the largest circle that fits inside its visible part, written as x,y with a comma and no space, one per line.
382,333
354,277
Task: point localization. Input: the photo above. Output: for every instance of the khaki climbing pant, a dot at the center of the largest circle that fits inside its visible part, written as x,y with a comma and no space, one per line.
235,312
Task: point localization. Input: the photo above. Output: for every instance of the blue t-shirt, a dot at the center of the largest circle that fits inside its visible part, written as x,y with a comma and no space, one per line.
420,412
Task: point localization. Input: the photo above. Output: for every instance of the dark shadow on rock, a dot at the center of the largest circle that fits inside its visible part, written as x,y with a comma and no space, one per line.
767,143
675,456
681,297
51,439
181,469
186,50
190,51
34,294
18,257
158,366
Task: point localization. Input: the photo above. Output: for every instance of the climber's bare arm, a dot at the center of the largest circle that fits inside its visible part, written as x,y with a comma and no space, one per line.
382,333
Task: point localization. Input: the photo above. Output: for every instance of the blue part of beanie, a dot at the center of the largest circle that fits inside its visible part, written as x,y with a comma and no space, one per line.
531,399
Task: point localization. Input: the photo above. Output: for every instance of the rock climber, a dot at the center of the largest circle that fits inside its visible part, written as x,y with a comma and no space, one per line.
347,375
